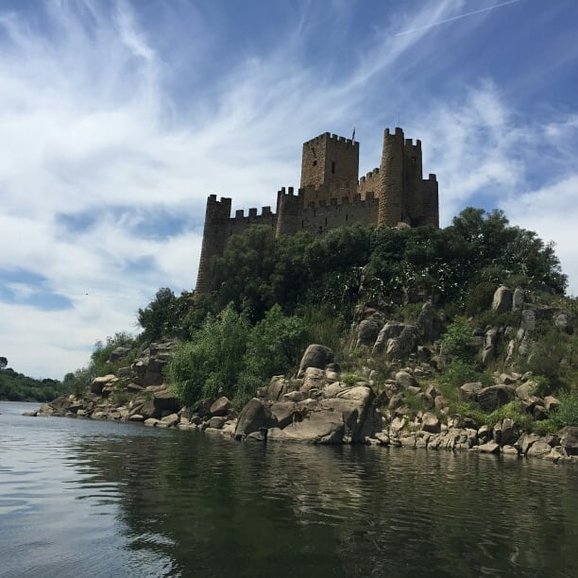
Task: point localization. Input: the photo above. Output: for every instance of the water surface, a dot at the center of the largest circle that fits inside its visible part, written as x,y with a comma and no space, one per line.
89,498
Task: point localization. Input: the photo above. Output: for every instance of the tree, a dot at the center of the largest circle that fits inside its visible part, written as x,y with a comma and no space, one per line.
161,316
3,363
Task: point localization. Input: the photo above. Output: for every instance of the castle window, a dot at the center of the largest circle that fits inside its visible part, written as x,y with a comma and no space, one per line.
346,218
326,221
314,163
302,224
332,167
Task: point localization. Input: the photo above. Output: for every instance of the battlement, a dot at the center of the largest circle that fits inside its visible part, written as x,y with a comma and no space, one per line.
253,215
326,136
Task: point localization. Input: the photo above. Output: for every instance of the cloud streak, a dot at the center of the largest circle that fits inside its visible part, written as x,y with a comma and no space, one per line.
119,127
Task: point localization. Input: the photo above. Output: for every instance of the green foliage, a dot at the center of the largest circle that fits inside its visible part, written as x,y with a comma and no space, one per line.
16,386
545,357
479,297
164,315
274,343
211,364
323,326
413,401
470,410
229,357
456,373
514,411
457,340
567,412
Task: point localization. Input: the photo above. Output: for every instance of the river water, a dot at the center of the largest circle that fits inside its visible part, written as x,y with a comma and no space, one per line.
86,498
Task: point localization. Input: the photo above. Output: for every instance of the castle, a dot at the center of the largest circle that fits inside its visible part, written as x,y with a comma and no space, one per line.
331,195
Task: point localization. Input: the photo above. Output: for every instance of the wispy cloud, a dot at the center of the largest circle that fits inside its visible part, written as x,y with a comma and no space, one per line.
116,121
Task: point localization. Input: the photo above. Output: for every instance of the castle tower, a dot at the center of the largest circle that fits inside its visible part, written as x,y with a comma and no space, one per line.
217,218
329,167
392,179
403,194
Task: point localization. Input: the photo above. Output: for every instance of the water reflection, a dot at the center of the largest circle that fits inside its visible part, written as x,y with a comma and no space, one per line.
250,510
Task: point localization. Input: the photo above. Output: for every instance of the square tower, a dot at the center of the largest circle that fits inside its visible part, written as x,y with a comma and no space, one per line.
330,165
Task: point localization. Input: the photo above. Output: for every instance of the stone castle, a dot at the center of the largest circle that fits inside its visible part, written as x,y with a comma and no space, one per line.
331,195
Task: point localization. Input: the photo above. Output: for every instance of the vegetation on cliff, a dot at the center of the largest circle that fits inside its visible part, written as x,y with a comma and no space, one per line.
275,296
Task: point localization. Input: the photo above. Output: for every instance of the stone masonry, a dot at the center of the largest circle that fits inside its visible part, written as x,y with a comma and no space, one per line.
331,195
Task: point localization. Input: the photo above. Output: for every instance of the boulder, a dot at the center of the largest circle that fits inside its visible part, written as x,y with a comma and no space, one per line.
569,440
469,391
220,406
551,403
518,299
562,322
165,401
253,417
119,353
502,301
526,441
353,405
426,323
489,448
171,420
367,332
430,423
539,449
99,383
316,356
313,378
283,412
324,427
491,398
217,422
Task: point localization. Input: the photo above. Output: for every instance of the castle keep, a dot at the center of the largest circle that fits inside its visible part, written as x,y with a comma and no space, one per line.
331,195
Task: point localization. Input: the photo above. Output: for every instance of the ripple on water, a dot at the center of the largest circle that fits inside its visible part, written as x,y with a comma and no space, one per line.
83,498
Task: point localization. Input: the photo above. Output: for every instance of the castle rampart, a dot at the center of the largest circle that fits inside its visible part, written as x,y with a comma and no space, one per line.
331,196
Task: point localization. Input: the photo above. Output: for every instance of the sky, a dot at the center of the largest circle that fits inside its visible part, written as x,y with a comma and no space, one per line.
119,117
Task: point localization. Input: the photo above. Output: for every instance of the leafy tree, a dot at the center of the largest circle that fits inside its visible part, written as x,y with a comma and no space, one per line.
3,363
161,316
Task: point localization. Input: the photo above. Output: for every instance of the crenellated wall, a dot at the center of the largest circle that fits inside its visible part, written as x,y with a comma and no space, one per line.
331,196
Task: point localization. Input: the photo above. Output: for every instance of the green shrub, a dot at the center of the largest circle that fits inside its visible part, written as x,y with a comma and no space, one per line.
227,356
457,340
210,364
457,372
275,344
567,412
479,297
513,411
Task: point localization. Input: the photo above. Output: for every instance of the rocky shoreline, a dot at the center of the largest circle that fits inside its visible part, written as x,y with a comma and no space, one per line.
321,406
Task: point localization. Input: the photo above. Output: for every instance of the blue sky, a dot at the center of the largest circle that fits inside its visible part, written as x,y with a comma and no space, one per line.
119,117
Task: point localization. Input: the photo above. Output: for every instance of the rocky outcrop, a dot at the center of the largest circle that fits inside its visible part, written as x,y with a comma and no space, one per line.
317,356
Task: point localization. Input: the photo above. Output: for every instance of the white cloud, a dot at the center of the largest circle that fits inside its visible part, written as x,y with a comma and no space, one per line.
95,127
552,212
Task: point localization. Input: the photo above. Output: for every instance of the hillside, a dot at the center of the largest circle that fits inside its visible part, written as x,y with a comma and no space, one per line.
457,337
16,386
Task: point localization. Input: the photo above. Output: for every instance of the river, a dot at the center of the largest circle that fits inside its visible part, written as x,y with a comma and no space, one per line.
84,498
